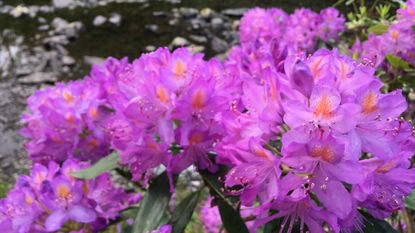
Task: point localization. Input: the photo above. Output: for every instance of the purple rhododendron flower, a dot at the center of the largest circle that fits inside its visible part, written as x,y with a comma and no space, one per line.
210,217
50,198
66,121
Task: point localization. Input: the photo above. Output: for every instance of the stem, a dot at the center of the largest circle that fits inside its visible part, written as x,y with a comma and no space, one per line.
273,149
408,221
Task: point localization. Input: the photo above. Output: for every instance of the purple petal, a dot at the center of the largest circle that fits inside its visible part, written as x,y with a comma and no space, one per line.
56,220
82,214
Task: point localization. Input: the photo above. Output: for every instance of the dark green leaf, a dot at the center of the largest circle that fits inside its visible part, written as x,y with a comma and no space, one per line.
105,164
184,211
373,225
378,29
397,62
231,218
212,182
153,206
410,201
273,226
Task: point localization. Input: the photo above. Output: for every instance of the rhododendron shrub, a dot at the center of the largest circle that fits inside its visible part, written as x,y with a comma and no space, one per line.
285,137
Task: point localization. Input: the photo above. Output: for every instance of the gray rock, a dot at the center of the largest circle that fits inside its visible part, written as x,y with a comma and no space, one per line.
91,60
43,27
198,39
150,48
179,42
59,23
41,20
235,12
38,77
159,14
196,48
151,27
197,23
173,22
99,20
19,11
68,60
115,19
206,13
216,23
62,3
188,12
59,39
219,45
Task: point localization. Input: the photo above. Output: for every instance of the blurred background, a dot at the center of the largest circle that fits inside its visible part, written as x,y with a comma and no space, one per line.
45,41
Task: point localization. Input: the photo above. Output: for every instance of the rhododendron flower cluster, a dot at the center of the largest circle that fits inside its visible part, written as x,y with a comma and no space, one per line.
300,30
398,41
50,198
337,128
308,138
66,121
166,107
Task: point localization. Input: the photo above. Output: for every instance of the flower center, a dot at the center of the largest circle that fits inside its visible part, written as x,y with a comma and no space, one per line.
369,103
323,107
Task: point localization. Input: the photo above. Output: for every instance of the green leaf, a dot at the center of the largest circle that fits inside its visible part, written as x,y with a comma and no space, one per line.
410,201
373,225
105,164
397,62
231,218
378,29
273,226
184,211
153,206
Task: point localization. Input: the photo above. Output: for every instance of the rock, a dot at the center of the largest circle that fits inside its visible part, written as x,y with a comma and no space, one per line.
91,60
115,19
59,39
62,3
196,48
62,27
41,20
59,23
19,11
151,27
159,14
99,20
173,22
198,39
216,23
206,13
38,77
197,23
179,42
235,25
235,12
188,12
43,27
150,48
219,45
68,60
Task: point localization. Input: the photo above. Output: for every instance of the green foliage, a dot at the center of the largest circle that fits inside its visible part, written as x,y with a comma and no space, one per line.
153,208
397,62
231,219
373,225
410,201
184,211
378,29
105,164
